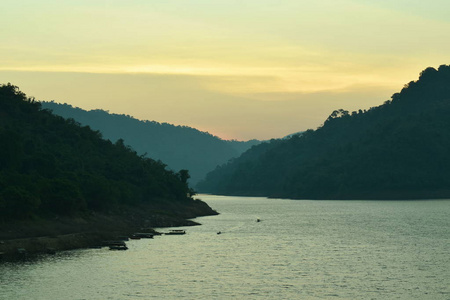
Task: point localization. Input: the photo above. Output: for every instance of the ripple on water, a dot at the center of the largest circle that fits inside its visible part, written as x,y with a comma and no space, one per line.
300,249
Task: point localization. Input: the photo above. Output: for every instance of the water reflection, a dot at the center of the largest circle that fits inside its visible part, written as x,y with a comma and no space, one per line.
300,249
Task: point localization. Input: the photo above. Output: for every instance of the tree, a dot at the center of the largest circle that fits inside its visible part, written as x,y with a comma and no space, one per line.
16,202
184,176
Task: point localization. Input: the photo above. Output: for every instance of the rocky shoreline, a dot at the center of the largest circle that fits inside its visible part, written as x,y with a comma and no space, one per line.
40,236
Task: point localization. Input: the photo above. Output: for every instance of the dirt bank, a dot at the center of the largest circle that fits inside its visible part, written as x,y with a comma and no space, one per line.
41,235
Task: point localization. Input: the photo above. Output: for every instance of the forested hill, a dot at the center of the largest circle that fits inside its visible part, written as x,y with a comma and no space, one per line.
50,166
180,147
399,150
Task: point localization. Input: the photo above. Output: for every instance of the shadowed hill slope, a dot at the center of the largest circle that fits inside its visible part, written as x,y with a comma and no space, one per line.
398,150
180,147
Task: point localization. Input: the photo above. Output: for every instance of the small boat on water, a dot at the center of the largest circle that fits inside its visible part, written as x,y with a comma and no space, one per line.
118,247
143,235
150,230
114,244
176,232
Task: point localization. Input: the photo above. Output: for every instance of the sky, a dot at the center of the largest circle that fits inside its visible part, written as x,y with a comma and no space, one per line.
238,69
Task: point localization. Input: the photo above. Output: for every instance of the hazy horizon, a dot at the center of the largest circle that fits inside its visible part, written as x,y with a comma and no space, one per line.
253,70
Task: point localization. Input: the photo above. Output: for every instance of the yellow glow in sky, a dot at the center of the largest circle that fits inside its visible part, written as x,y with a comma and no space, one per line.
238,69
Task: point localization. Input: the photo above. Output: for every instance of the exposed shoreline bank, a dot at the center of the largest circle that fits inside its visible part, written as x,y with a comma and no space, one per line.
59,234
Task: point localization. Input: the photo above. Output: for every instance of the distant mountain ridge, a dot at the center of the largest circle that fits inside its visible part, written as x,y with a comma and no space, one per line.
180,147
398,150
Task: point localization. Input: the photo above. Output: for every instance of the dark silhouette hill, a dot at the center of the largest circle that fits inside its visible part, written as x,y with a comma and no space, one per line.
398,150
180,147
51,167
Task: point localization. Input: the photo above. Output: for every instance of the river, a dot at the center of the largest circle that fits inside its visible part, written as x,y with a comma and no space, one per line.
299,250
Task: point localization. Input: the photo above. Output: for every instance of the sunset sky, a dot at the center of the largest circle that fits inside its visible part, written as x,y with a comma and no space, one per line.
237,69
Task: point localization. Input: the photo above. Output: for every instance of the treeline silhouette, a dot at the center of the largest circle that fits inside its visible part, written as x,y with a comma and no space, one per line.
51,166
180,147
399,150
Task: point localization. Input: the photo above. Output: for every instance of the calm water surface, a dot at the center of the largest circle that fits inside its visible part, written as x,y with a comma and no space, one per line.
299,250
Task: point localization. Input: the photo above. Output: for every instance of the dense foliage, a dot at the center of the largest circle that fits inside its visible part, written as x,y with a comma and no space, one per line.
180,147
52,166
399,150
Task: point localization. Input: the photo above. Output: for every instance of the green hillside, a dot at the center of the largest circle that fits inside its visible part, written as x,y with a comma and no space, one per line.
51,167
398,150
